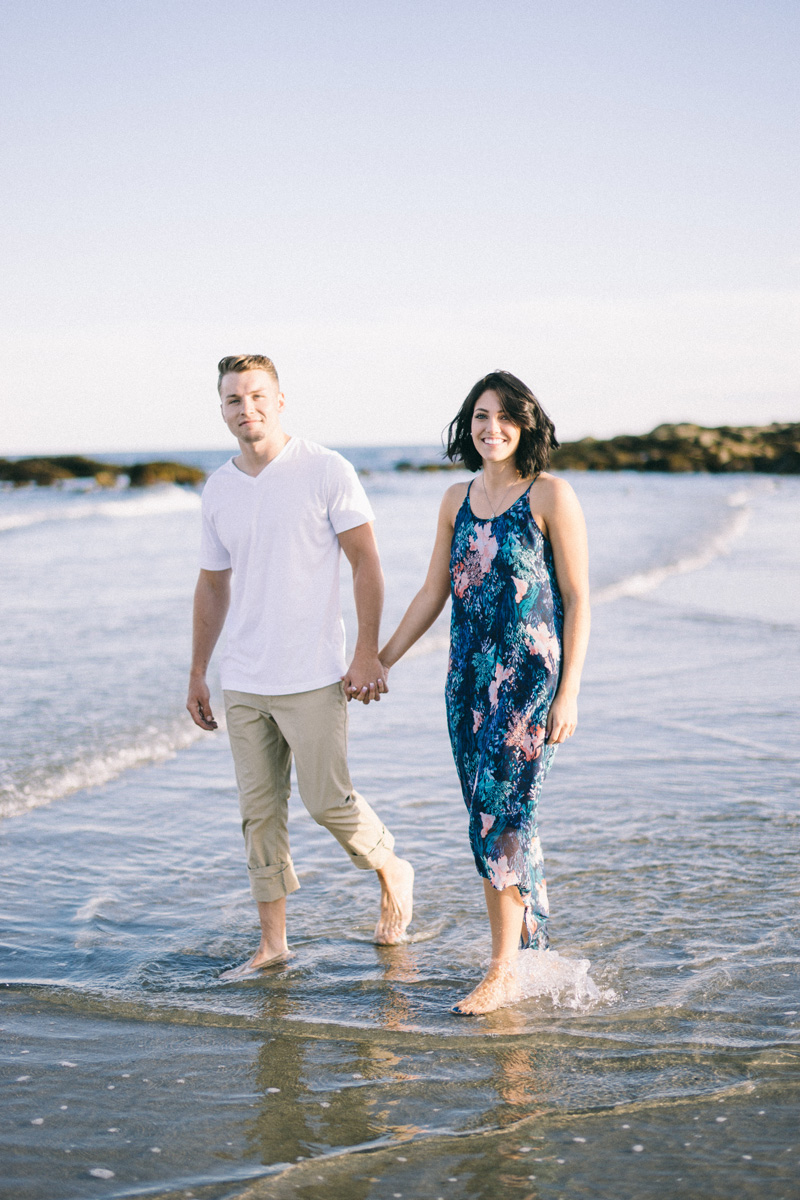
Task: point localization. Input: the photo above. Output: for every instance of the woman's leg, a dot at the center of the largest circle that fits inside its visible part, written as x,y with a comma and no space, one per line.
499,985
506,910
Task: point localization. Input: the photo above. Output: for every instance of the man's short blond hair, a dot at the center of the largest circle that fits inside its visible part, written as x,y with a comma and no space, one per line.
246,362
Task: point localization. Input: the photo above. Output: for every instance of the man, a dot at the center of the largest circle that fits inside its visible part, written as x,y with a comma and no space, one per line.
275,519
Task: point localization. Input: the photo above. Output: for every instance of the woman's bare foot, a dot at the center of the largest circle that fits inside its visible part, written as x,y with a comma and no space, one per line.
499,986
397,901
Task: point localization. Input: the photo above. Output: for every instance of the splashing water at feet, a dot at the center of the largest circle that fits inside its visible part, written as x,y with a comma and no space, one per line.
533,974
565,980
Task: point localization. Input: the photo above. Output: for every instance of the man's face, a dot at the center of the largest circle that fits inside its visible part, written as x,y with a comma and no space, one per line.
251,405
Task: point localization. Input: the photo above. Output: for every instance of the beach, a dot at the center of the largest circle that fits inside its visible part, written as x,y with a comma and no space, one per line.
656,1051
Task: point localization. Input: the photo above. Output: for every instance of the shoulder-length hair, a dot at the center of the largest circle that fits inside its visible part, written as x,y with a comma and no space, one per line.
537,432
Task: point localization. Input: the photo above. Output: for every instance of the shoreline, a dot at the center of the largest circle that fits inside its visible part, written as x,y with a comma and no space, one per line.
50,471
121,1105
669,449
675,449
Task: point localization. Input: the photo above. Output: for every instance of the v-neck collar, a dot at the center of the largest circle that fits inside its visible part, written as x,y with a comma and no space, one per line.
265,468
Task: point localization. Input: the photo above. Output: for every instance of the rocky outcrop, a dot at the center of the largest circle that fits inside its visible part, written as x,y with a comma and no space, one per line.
49,471
145,474
774,449
405,464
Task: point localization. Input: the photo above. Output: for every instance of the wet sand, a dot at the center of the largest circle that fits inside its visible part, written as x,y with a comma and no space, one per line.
123,1106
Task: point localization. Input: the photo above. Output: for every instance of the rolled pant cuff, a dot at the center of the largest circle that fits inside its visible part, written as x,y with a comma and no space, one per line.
271,883
374,860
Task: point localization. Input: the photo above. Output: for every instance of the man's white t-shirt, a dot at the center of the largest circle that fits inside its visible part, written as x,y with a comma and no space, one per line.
278,532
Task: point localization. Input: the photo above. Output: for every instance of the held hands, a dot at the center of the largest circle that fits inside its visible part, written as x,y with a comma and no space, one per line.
562,719
198,704
365,678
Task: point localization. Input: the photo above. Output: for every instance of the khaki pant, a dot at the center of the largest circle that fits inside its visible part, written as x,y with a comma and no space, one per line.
265,732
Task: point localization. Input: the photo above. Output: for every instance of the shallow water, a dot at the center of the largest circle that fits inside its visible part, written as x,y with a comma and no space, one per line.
669,827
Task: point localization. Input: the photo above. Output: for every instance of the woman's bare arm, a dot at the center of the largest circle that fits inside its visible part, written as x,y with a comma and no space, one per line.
432,596
566,529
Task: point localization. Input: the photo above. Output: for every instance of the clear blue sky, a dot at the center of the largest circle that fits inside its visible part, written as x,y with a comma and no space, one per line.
392,199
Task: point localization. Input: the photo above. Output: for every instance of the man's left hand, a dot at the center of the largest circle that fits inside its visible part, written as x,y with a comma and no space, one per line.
365,678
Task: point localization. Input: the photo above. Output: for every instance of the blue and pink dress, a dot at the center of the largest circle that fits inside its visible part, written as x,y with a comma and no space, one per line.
505,662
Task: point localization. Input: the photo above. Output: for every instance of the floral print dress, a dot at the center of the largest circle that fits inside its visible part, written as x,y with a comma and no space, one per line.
505,660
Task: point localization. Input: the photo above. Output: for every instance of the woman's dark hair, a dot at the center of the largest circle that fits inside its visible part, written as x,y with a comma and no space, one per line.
537,432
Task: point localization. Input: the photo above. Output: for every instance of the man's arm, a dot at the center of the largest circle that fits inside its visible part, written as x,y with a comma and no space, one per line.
211,599
364,677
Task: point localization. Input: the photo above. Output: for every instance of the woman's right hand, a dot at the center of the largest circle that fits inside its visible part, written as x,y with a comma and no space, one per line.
381,688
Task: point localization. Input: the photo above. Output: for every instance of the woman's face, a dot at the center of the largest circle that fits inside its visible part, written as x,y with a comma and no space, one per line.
495,435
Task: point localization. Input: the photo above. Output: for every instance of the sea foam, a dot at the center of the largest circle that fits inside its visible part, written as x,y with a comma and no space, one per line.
100,769
158,501
641,582
565,981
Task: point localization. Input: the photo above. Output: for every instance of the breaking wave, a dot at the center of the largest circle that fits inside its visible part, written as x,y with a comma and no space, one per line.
641,582
154,747
159,501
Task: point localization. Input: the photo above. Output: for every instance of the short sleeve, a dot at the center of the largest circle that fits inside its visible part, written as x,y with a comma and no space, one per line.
348,505
213,555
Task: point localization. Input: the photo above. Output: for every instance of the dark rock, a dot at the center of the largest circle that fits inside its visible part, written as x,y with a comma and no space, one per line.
41,471
48,471
774,449
405,465
84,468
145,474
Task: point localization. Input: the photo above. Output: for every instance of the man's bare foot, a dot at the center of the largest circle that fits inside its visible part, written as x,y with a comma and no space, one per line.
499,986
259,962
397,901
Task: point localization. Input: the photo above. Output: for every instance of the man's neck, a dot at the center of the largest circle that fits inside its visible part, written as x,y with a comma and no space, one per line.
254,456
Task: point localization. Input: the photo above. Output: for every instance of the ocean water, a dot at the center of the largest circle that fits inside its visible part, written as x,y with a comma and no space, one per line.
656,1052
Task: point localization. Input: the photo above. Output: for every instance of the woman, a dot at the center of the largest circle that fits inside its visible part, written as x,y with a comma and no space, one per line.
511,548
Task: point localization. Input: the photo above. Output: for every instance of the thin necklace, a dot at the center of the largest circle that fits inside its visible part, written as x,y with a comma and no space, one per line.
486,494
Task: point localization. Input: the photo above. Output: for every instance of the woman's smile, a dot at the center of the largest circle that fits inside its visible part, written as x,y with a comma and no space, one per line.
492,429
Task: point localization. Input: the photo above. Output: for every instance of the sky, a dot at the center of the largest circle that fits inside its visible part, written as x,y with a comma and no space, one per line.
392,199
